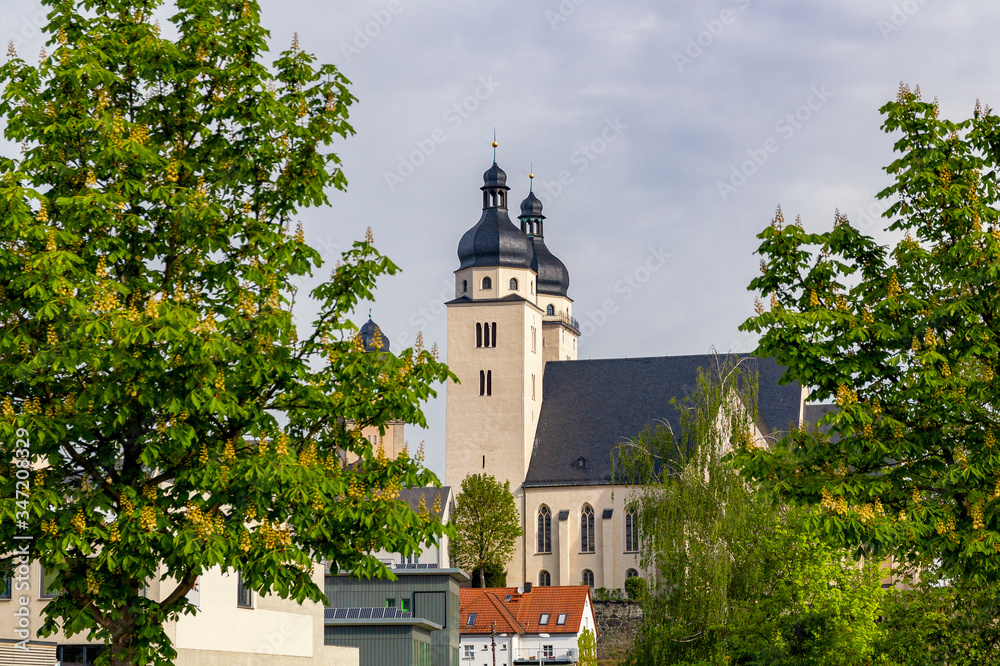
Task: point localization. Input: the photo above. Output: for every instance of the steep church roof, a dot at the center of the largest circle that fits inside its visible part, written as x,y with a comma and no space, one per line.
589,407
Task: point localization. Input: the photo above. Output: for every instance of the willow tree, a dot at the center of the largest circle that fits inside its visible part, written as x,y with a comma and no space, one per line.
735,578
171,418
905,339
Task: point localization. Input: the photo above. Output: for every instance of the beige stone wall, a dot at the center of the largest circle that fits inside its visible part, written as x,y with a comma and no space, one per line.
566,562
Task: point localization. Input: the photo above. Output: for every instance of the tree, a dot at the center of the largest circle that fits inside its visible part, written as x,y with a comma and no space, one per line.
487,525
587,644
906,341
735,578
168,418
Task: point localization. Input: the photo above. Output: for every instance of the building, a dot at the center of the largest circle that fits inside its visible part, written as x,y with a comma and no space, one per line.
233,627
526,411
527,625
411,621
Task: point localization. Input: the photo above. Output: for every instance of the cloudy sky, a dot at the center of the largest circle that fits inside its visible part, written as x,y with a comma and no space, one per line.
662,134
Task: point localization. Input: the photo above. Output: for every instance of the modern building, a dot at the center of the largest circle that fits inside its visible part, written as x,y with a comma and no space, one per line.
526,411
410,621
526,625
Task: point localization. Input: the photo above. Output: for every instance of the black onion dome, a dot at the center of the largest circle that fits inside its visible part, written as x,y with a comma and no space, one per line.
367,334
531,207
494,241
553,277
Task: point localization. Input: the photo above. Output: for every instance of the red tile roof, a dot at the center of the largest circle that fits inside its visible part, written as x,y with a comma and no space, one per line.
524,609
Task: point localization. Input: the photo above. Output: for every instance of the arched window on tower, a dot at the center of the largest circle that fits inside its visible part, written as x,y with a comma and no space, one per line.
544,579
482,382
479,335
486,335
487,283
631,573
513,284
631,532
587,543
549,310
493,334
489,382
544,530
588,578
465,286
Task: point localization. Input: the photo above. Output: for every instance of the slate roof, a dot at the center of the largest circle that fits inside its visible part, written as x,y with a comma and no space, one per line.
589,407
527,608
412,497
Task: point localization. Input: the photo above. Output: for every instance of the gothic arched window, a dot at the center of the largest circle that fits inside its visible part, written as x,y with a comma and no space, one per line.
549,310
588,578
544,579
587,529
631,573
487,283
631,531
544,530
513,284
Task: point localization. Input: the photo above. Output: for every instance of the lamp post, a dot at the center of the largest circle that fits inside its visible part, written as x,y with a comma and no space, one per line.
541,654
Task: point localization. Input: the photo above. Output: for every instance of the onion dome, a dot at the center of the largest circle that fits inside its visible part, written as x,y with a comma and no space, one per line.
372,337
553,278
494,240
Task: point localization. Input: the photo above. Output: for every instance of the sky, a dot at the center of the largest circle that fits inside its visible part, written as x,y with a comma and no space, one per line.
662,136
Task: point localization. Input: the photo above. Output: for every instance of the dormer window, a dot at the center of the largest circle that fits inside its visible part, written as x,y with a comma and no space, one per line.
488,283
513,284
580,463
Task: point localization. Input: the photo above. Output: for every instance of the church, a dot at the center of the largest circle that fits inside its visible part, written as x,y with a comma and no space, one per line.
527,411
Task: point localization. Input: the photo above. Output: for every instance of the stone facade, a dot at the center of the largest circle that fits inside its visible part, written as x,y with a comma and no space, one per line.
618,623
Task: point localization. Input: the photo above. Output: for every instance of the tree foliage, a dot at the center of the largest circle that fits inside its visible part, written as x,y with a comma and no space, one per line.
587,644
737,580
148,354
487,523
905,339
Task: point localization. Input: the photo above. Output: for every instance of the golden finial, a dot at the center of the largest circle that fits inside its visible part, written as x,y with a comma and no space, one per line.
495,144
531,179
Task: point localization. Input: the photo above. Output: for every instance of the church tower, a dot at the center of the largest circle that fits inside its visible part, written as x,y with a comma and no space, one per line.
510,315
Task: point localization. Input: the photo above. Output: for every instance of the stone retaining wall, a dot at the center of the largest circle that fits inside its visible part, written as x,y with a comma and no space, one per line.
618,623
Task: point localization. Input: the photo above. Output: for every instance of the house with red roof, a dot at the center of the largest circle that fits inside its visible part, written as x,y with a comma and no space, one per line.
523,625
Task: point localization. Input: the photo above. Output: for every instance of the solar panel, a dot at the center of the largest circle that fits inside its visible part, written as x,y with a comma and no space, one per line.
406,614
378,612
421,566
353,612
340,613
365,613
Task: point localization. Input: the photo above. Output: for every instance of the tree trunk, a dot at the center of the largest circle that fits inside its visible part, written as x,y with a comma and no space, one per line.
482,577
121,642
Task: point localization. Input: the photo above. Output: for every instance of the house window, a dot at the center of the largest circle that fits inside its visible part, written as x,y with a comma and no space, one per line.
544,578
513,284
493,335
465,286
631,573
471,621
405,605
532,387
489,382
78,655
390,603
479,335
549,310
470,652
544,619
532,285
544,530
561,619
244,596
5,588
588,578
487,283
631,532
547,652
587,529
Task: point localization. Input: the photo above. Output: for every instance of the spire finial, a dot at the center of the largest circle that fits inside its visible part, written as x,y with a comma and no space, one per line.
369,313
495,144
531,178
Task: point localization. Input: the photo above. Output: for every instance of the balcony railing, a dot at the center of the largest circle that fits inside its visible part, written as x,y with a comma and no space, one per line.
537,655
572,322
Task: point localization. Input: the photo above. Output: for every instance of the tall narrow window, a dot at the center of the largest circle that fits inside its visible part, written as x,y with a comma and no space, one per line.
534,336
587,529
482,382
532,387
513,284
631,532
479,335
487,339
493,334
588,578
244,597
544,530
465,286
487,283
489,382
549,310
544,578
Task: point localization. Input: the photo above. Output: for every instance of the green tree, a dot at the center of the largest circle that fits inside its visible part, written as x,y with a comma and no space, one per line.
905,339
487,525
587,644
149,362
737,579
